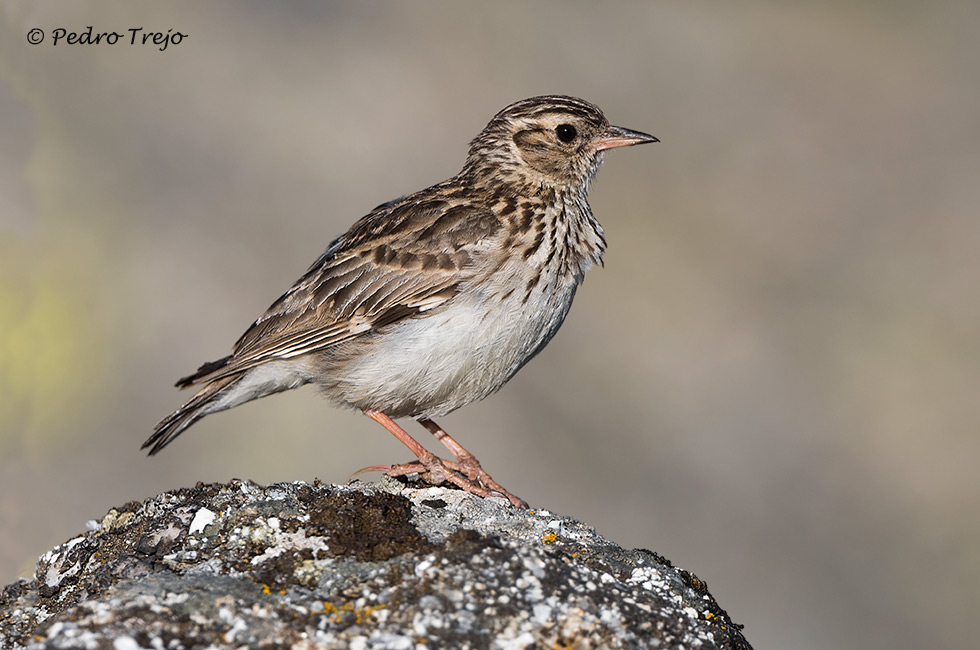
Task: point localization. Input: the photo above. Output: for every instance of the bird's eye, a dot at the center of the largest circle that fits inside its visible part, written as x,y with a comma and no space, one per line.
565,132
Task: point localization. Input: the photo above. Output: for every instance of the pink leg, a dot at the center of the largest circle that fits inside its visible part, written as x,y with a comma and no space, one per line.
430,467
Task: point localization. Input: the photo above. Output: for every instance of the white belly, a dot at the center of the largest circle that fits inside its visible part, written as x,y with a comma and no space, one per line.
434,364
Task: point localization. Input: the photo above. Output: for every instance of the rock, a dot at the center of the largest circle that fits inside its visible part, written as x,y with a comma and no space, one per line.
362,566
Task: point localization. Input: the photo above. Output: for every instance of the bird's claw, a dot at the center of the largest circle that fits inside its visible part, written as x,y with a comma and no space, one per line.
437,471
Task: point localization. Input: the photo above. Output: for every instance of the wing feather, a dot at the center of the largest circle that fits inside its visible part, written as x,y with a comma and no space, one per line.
403,258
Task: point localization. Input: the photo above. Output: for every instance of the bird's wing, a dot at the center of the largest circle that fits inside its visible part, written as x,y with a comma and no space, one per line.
404,258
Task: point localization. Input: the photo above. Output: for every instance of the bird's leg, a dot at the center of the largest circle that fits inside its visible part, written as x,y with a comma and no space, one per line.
430,467
468,464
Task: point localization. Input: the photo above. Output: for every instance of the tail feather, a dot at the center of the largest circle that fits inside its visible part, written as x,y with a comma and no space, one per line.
203,403
203,372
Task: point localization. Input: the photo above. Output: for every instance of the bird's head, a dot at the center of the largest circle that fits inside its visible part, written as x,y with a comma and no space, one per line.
553,140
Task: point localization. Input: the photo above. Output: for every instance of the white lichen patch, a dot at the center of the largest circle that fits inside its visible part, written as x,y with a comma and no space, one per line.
202,519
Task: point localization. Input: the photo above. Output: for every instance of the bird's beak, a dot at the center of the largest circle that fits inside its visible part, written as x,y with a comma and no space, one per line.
617,136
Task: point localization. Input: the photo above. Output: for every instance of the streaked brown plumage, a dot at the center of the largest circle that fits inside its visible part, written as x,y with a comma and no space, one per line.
435,299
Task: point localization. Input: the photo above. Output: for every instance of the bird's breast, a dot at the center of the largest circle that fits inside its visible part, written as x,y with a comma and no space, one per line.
476,341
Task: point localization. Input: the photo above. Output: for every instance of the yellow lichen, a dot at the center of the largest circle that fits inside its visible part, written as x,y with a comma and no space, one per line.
360,614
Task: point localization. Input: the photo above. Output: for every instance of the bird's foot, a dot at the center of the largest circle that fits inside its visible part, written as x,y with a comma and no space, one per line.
436,471
470,466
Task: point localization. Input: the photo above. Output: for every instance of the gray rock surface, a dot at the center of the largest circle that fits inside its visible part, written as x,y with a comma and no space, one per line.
363,566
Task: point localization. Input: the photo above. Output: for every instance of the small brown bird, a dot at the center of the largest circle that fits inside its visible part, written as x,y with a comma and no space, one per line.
436,299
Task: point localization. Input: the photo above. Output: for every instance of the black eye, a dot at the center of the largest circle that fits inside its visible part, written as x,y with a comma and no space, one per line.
565,132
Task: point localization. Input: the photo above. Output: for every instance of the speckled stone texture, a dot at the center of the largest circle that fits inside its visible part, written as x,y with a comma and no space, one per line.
363,566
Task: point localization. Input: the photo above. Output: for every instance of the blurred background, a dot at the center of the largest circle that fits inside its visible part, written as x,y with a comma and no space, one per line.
773,382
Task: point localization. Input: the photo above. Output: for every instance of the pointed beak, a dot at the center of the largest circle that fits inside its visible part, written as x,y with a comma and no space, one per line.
617,136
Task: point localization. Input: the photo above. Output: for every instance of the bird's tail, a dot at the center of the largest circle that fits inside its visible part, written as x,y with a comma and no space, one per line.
213,397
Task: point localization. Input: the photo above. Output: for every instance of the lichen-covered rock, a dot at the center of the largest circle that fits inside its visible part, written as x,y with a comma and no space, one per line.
361,566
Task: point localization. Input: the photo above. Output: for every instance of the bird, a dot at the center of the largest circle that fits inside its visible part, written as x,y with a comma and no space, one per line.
436,299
